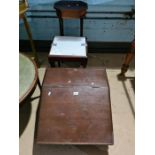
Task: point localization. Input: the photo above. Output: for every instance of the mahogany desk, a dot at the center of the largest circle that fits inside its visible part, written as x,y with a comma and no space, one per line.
75,108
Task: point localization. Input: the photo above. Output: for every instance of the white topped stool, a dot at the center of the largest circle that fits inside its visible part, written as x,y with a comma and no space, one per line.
66,48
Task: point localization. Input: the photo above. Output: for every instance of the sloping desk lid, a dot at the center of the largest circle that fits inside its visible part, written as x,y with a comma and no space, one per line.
75,112
75,115
73,77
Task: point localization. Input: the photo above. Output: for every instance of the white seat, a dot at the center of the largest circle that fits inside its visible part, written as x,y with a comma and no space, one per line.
69,46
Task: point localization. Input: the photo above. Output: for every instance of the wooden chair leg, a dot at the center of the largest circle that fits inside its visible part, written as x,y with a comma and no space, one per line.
39,84
27,27
126,63
129,56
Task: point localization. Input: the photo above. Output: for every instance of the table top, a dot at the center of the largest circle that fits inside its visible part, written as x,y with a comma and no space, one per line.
75,107
27,76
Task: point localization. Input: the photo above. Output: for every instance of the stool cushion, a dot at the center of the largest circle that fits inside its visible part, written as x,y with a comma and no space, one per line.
69,46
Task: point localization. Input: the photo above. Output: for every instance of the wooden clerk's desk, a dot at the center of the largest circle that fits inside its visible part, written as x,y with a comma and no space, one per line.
75,108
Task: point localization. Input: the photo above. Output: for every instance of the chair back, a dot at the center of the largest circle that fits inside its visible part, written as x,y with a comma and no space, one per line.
70,10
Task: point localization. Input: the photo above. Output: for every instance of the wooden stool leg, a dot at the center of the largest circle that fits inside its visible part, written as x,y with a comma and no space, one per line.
27,27
52,64
61,24
81,27
84,63
59,64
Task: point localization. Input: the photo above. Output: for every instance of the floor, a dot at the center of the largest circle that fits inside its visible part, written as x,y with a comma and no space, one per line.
122,101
